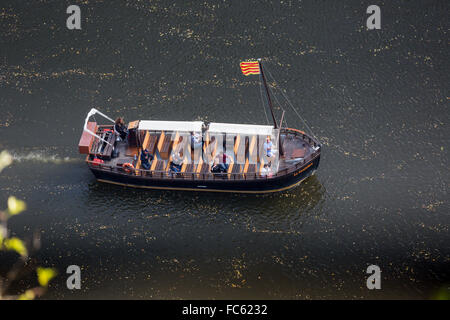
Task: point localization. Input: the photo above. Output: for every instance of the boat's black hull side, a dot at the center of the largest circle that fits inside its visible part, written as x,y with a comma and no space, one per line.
275,184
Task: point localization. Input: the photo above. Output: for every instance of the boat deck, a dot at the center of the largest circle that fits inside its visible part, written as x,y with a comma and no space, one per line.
160,144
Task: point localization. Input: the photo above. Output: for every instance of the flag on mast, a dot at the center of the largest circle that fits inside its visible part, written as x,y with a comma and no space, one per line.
250,67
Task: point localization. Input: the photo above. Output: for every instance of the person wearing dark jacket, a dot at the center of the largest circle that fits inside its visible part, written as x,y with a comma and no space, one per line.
120,128
146,157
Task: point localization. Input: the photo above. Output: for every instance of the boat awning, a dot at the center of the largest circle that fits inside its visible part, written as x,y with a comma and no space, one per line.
249,129
170,125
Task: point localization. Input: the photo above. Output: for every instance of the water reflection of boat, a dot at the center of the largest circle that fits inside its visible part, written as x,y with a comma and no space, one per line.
249,158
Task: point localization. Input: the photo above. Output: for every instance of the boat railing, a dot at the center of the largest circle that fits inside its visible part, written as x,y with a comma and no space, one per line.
204,176
303,135
301,165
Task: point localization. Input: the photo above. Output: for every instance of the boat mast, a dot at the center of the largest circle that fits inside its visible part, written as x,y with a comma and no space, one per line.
269,99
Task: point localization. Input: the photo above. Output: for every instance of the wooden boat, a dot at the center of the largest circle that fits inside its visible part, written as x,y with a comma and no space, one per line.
258,158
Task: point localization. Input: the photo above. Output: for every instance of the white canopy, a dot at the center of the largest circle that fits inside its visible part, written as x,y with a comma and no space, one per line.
250,129
170,125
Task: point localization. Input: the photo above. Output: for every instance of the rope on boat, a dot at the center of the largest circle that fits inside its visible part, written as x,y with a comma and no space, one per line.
291,105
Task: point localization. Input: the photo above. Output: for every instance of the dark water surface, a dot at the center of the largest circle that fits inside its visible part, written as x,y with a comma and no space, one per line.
377,100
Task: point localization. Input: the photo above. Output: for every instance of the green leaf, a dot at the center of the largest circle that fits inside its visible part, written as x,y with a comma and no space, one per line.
15,206
27,295
45,275
17,245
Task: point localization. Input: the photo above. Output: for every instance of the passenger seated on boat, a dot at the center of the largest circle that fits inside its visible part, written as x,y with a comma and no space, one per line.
220,167
217,167
265,171
177,161
268,149
146,157
196,140
120,129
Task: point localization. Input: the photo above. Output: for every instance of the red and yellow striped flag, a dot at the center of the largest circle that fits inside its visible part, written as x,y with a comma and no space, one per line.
250,67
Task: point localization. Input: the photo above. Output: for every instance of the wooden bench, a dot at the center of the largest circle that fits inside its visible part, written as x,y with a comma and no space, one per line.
166,146
236,144
236,168
251,147
157,165
199,166
184,166
152,142
160,141
249,168
205,168
189,167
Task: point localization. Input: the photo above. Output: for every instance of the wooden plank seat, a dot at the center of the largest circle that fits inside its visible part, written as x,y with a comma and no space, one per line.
159,165
237,143
152,142
190,168
205,168
160,141
166,146
251,147
184,166
199,166
249,168
236,169
153,164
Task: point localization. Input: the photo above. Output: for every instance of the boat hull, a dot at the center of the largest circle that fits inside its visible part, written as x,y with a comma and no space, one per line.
275,184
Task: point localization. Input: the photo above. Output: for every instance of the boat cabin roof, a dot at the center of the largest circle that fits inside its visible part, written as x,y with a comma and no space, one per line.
154,125
214,127
249,129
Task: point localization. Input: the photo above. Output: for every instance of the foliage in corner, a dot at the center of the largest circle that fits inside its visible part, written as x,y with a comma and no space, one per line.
7,243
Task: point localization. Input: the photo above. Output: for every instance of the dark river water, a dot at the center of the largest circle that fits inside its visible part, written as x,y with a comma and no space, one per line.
376,99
